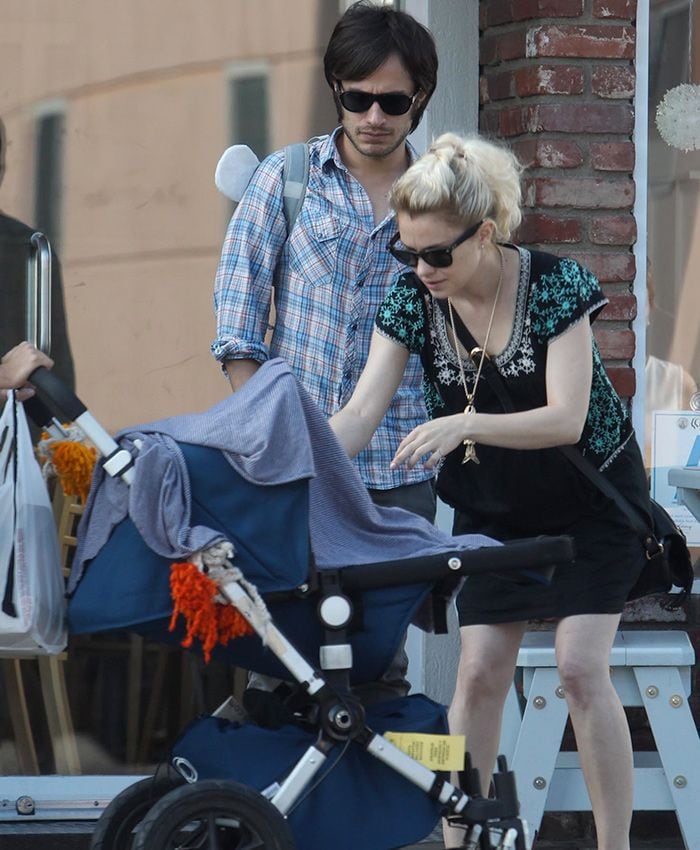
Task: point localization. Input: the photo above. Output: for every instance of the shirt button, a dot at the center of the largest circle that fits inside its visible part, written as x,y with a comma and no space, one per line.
353,327
347,375
360,284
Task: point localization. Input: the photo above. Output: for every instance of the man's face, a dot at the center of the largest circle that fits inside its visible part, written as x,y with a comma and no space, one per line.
374,133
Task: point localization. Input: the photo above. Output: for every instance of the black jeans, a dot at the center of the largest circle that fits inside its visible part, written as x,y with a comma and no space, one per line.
419,499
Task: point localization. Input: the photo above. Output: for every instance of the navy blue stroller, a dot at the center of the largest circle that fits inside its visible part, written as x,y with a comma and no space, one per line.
260,496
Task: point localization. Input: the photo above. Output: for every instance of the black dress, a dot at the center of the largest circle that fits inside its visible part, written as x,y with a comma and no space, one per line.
512,493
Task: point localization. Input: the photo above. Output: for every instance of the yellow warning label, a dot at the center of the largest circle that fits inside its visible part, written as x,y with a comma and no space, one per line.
438,752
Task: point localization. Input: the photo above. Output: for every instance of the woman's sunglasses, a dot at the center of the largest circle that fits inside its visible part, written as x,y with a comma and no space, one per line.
390,104
439,258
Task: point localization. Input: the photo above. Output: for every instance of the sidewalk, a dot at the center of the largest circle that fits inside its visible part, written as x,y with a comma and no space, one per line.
575,832
77,837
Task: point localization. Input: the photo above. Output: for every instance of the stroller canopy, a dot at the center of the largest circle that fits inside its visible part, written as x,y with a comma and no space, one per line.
261,469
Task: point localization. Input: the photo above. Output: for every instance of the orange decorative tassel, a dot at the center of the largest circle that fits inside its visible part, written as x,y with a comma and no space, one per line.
211,622
74,463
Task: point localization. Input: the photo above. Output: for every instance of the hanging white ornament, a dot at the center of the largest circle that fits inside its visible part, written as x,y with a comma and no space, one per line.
678,117
678,114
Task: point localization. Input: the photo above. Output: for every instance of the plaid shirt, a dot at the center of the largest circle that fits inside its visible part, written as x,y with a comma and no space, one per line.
329,277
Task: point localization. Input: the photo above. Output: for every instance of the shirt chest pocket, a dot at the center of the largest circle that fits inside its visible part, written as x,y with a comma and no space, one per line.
313,251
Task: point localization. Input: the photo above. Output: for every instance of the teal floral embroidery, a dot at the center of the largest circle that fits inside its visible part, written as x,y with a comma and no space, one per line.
607,418
562,296
565,295
401,316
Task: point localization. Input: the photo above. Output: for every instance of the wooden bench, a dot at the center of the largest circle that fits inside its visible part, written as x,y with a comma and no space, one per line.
651,669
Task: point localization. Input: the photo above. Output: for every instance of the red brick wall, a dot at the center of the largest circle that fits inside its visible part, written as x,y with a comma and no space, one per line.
557,83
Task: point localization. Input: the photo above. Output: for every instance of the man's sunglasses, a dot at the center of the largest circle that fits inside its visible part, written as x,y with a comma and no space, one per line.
390,104
439,258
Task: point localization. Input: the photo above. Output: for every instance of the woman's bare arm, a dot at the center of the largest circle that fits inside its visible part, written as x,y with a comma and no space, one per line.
356,423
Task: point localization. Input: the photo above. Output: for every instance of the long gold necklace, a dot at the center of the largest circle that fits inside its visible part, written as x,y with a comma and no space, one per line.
470,450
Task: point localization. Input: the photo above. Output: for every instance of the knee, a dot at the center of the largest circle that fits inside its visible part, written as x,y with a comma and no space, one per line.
479,682
582,680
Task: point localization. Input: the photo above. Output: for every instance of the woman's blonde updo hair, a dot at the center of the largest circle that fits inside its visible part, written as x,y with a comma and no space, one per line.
469,179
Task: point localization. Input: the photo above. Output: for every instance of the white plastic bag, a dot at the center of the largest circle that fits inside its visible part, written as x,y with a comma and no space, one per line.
32,594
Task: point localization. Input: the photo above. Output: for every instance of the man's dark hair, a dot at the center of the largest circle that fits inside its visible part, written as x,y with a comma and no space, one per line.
367,35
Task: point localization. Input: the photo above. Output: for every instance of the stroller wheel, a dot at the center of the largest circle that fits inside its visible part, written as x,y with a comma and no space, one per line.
115,828
214,815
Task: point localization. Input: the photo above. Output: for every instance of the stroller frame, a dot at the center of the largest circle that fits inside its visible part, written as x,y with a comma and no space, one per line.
341,716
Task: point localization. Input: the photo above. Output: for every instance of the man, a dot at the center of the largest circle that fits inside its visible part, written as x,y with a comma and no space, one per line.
330,274
14,251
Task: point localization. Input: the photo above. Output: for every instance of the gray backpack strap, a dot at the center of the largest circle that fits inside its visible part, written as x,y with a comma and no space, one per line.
295,177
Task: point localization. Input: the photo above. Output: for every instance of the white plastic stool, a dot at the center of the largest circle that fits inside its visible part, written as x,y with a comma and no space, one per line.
648,668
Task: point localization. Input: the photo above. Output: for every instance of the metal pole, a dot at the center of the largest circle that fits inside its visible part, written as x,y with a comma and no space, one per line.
38,304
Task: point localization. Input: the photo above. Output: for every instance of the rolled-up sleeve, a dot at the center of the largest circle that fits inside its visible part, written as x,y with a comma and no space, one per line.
254,241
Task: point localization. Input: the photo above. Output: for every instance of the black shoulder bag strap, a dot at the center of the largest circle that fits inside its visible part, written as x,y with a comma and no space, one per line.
594,475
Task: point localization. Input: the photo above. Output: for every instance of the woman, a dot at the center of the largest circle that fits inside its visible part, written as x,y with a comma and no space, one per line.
472,290
16,367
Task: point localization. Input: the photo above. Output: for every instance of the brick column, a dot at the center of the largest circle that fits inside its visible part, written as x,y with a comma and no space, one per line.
557,82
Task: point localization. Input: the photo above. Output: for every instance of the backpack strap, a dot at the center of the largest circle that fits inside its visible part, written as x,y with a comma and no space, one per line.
295,177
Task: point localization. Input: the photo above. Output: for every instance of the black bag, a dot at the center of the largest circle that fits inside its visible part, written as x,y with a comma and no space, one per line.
668,562
670,565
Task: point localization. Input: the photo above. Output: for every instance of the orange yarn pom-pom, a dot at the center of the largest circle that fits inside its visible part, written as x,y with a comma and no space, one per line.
74,463
70,460
209,621
232,623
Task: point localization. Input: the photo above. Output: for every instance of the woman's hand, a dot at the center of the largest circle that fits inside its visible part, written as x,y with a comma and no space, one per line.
436,438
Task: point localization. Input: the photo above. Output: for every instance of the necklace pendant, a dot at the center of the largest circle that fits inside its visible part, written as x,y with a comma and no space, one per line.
470,452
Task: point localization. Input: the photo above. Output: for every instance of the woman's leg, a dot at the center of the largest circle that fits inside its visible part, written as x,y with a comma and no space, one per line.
583,646
485,672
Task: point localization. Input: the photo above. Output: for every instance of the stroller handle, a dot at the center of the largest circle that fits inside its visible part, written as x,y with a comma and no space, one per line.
536,554
58,394
64,401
